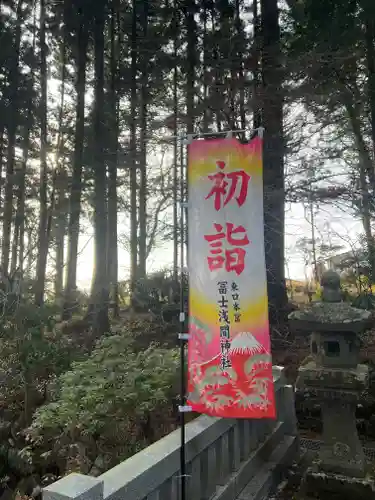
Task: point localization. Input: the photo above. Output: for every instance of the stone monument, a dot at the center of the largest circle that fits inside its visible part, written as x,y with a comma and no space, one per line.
332,374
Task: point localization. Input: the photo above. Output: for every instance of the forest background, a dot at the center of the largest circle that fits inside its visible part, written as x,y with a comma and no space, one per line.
92,94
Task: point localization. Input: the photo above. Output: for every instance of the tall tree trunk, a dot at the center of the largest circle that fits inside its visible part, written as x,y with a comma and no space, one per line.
98,310
133,156
240,50
42,232
370,62
8,197
217,75
191,29
76,186
60,228
20,214
2,142
204,64
21,248
3,57
175,146
273,158
365,165
30,248
17,244
257,110
191,64
366,221
13,119
313,241
143,145
229,55
61,186
112,164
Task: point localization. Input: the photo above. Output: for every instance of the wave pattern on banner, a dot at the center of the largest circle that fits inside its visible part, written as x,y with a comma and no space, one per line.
229,358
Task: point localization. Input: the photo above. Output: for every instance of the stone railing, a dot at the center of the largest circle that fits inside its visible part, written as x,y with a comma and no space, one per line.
224,458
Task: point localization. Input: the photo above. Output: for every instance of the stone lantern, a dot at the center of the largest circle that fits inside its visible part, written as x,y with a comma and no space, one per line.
332,374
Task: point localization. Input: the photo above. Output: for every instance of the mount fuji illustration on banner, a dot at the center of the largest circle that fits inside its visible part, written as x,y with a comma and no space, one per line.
229,358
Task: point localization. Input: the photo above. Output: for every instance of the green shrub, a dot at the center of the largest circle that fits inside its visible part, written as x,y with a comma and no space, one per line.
32,352
111,397
116,398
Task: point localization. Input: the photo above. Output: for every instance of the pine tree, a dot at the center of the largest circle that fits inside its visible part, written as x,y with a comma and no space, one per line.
273,158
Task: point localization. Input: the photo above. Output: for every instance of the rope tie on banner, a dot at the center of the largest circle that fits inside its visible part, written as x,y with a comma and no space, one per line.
183,336
185,409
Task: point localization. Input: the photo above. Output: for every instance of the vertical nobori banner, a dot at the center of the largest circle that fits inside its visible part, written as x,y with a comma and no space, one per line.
229,359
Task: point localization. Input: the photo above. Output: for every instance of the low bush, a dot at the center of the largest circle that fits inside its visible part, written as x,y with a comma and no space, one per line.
110,405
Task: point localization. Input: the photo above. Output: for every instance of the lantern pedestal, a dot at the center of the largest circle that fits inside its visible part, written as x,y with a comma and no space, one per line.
338,392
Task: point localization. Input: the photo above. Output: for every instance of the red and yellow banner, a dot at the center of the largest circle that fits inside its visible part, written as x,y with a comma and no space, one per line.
229,360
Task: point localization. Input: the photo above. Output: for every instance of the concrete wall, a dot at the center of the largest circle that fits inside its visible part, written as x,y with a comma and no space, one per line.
227,460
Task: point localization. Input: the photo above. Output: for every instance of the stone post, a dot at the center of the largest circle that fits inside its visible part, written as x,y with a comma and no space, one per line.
287,410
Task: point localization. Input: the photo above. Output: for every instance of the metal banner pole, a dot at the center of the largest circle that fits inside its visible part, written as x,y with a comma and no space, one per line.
183,336
182,329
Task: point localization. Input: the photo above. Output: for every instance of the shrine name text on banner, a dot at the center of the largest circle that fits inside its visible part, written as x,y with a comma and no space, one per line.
229,358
